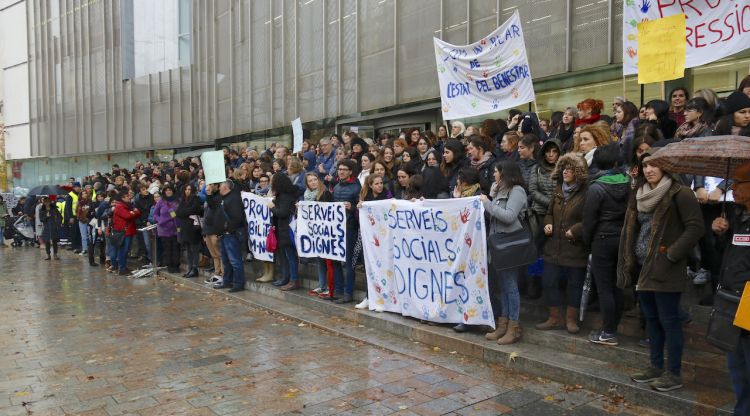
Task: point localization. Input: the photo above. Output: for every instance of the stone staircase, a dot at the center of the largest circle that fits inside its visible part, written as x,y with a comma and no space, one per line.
556,355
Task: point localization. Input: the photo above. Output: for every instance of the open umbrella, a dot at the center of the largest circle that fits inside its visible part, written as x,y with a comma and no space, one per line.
47,190
716,156
586,292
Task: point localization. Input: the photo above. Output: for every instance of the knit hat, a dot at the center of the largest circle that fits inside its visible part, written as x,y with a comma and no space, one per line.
737,101
76,184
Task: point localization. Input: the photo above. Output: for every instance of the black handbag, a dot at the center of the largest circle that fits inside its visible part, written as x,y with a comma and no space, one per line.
117,238
511,250
722,333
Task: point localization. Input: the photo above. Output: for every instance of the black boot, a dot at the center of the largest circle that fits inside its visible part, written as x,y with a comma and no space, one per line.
192,273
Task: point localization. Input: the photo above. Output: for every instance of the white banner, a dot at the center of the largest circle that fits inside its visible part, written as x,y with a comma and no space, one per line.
715,28
427,259
321,230
487,76
258,216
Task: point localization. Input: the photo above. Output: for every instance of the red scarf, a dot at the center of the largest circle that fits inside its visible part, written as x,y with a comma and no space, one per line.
588,120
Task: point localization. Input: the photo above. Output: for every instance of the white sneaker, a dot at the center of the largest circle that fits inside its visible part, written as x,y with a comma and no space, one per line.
379,309
214,280
701,277
363,305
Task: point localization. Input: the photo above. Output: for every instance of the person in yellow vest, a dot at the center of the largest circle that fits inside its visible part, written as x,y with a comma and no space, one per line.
69,217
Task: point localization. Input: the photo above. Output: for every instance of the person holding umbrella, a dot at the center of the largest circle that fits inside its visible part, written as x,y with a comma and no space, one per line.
735,272
663,223
52,220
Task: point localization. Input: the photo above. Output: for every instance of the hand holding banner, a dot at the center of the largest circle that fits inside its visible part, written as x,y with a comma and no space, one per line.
662,48
213,166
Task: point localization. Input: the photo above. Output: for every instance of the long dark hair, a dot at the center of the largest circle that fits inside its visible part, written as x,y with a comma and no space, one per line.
281,184
510,174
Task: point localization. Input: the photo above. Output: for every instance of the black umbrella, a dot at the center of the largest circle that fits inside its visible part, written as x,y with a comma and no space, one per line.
47,190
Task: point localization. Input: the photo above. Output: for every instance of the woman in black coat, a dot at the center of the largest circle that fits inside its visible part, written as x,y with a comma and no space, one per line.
52,220
283,208
188,215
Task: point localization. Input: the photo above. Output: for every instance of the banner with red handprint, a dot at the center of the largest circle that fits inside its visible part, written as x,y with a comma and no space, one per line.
714,28
427,259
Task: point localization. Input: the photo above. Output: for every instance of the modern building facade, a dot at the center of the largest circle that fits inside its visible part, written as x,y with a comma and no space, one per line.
113,81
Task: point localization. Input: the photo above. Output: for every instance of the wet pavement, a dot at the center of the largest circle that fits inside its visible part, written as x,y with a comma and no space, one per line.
77,340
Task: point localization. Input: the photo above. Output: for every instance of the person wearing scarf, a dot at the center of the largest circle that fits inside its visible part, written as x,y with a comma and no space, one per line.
316,191
663,223
481,159
698,118
166,228
589,111
565,254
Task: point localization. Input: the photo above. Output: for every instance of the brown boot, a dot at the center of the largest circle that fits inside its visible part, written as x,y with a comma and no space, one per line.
553,321
501,327
513,334
571,320
267,273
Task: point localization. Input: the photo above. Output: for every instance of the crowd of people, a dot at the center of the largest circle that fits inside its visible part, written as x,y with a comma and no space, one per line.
577,180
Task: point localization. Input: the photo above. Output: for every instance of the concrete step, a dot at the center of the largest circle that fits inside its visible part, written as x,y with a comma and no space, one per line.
595,370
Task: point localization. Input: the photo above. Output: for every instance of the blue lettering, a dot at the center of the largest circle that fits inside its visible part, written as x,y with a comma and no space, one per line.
457,89
474,63
482,86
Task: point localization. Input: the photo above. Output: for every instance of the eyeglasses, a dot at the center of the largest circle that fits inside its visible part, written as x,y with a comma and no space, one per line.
344,169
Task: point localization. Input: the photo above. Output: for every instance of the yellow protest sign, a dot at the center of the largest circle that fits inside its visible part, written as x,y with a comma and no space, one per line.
662,49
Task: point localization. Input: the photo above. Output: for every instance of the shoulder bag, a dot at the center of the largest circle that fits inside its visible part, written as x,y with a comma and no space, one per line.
722,333
513,249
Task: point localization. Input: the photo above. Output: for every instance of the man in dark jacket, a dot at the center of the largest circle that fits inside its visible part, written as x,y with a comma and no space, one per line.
735,272
481,159
603,216
347,191
233,238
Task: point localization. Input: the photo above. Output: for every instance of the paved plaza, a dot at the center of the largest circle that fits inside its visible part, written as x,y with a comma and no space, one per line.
76,340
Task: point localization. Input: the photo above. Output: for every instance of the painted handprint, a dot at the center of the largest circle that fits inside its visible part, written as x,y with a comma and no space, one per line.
465,214
467,239
645,6
376,241
371,218
631,52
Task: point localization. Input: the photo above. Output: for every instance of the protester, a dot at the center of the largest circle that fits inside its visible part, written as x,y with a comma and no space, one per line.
505,206
235,235
188,214
165,217
603,217
565,254
123,221
735,273
347,191
662,224
282,210
51,218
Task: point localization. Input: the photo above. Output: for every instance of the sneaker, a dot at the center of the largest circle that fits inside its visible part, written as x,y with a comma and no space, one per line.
379,308
362,305
214,280
83,253
76,251
314,292
647,376
324,293
604,338
667,382
221,285
701,277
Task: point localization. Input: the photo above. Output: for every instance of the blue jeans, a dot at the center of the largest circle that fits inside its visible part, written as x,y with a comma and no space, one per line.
111,252
347,267
145,237
84,230
573,276
510,299
738,362
231,261
322,274
2,235
122,253
662,313
289,263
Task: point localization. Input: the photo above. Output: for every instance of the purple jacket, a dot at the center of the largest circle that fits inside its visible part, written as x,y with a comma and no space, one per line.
166,225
